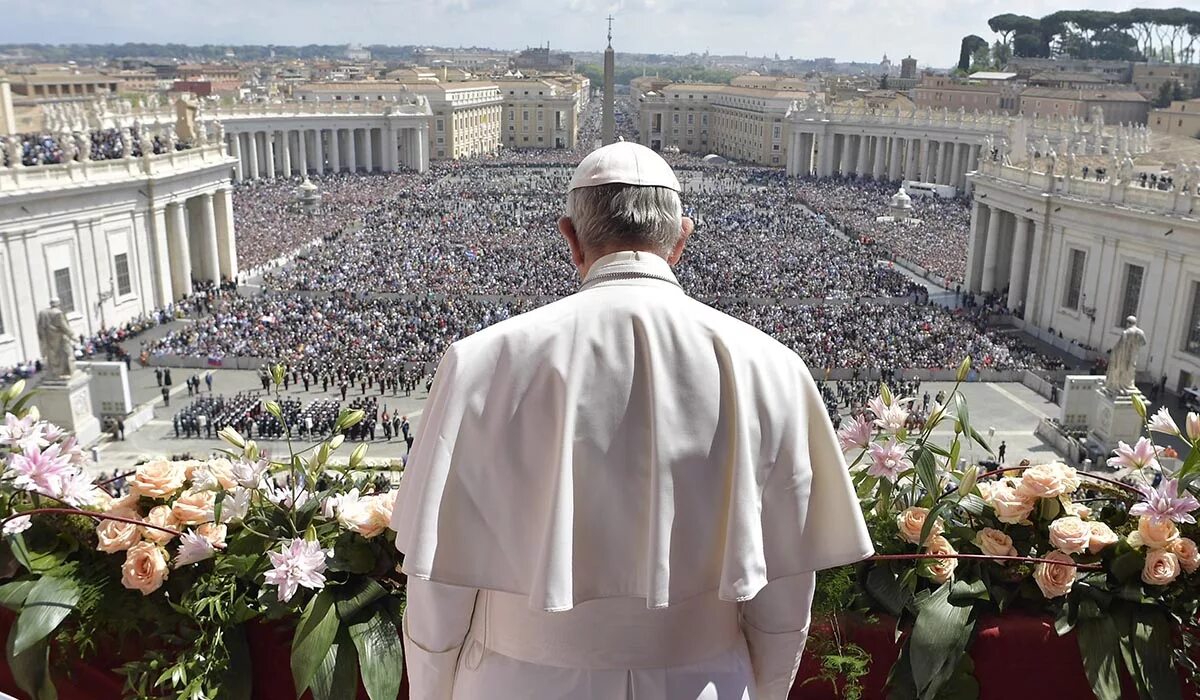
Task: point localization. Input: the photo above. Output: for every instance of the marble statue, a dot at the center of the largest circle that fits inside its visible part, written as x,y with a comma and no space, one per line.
55,338
13,146
201,132
1051,162
218,131
126,143
1122,359
1071,165
1126,170
66,143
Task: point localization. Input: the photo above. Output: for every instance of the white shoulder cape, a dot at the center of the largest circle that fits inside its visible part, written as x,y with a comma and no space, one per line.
625,441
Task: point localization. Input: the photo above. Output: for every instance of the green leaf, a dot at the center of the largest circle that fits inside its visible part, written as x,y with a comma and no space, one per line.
932,516
49,602
381,655
972,504
356,596
883,585
960,409
237,683
1100,647
314,635
939,640
979,439
32,559
927,471
31,670
1128,565
353,554
1190,465
965,593
1152,650
337,676
13,594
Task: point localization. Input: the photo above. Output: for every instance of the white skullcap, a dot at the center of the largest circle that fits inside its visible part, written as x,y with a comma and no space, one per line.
626,163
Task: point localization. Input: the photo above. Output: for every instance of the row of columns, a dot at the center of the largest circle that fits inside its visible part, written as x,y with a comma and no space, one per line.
1003,253
193,240
894,157
271,153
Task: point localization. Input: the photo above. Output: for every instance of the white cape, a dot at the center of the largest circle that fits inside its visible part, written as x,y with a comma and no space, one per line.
625,441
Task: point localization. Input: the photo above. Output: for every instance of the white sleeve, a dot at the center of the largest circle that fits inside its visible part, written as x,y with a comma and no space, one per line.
437,618
775,623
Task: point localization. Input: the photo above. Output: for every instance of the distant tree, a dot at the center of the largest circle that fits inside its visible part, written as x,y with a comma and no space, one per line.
1165,92
967,50
1030,46
1115,45
1009,25
1001,53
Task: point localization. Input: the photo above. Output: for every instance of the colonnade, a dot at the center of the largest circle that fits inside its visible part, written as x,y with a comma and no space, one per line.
273,152
1003,253
193,240
894,157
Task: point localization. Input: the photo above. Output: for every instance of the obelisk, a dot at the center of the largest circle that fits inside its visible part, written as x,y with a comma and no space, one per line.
608,125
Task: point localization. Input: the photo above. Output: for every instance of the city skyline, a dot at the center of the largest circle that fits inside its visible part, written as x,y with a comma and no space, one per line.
853,31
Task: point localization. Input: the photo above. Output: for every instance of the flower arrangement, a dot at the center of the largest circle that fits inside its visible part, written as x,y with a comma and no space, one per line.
1114,560
197,549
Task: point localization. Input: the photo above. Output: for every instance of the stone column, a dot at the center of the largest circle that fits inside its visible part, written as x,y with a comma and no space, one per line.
285,153
422,147
844,156
923,164
894,164
910,162
880,156
352,150
210,264
335,151
989,250
319,150
368,148
252,154
938,158
959,171
269,153
1018,271
162,257
302,152
181,257
235,150
226,241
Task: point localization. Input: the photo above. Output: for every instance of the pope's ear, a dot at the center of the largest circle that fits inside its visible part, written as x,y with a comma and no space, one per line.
685,232
567,228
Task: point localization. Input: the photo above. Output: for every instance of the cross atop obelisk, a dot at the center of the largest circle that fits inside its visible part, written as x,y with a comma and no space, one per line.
608,125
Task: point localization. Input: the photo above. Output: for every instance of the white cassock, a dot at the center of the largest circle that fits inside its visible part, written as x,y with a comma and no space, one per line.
623,494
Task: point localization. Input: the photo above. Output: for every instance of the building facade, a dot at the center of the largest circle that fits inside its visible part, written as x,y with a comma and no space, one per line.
539,114
1182,118
741,123
1120,106
110,239
1076,257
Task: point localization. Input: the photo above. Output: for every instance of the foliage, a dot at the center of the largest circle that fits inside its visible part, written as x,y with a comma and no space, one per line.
196,551
969,50
1116,560
624,74
1139,34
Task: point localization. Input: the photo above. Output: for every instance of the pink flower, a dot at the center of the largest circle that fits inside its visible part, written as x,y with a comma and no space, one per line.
194,547
22,433
1162,422
887,461
17,525
299,563
77,489
890,417
1165,503
1139,456
1193,426
855,434
41,471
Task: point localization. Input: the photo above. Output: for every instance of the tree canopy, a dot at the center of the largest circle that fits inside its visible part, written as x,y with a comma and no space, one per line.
1167,35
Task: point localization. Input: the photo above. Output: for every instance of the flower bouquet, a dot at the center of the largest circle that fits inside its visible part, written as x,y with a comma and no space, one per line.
194,552
1114,560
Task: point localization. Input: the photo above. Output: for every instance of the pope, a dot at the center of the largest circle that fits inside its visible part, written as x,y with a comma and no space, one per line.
625,493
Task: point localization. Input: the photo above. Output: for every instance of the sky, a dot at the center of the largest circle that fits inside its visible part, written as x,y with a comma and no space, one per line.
849,30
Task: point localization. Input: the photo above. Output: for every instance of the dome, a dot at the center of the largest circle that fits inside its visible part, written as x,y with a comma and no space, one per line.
714,159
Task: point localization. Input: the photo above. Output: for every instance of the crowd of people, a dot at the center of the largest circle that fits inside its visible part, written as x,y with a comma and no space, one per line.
937,243
44,148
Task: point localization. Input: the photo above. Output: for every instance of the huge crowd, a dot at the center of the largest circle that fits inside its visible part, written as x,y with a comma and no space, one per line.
938,242
42,148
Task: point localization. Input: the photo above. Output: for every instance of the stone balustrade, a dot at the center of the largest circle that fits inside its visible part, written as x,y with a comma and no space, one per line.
64,175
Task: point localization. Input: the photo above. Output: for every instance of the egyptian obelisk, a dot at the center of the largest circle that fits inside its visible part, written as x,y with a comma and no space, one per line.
608,126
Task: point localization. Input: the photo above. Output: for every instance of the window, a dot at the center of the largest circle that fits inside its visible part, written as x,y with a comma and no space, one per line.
121,263
1074,279
1132,292
62,288
1191,337
441,125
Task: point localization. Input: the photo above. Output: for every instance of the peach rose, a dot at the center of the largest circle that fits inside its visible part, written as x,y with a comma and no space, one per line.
215,534
1078,510
222,469
189,468
995,543
115,536
1102,537
1009,505
1070,477
1153,535
162,517
1189,556
940,570
145,568
1070,535
1055,580
157,479
194,508
912,521
381,509
128,502
1162,567
1042,481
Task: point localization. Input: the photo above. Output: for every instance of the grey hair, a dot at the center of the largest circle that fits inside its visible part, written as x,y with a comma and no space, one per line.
608,216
